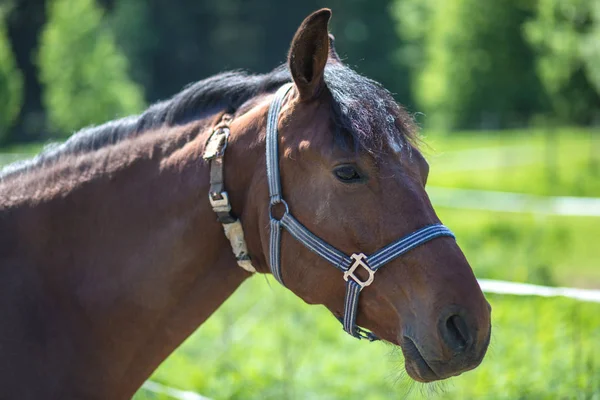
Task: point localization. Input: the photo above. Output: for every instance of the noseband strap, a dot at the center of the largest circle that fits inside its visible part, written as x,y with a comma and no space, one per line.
346,264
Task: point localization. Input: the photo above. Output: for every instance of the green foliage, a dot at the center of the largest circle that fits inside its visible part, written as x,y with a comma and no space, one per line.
515,161
590,50
265,343
465,64
369,44
413,23
472,68
130,24
11,83
84,73
566,35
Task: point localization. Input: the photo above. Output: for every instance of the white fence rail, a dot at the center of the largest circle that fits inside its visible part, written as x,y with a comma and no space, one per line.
527,289
514,202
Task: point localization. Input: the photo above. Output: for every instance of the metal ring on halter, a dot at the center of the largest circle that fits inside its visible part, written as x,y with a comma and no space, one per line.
285,204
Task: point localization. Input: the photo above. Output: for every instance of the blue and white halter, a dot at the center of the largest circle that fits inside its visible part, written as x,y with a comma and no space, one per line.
346,264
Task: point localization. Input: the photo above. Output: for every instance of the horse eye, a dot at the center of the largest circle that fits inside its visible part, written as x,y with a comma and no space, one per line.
347,174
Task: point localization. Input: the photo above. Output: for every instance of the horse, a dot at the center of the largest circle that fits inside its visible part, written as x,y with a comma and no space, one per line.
117,244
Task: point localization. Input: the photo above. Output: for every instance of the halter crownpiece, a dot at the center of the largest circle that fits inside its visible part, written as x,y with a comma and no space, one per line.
349,265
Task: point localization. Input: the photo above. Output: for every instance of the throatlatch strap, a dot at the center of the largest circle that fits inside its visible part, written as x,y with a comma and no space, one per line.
214,152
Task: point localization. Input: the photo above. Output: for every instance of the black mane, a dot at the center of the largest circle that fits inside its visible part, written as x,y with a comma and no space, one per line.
362,109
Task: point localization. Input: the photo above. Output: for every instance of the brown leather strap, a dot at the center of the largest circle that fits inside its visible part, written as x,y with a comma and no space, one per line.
214,152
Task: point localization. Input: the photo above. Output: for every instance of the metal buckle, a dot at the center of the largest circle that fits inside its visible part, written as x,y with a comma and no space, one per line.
216,143
273,204
359,260
219,204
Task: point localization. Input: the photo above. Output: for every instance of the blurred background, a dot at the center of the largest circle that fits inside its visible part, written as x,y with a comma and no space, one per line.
508,97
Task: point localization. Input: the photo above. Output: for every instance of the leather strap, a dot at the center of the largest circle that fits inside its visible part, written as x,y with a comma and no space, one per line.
214,153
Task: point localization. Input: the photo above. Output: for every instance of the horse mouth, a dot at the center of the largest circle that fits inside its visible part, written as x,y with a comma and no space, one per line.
415,364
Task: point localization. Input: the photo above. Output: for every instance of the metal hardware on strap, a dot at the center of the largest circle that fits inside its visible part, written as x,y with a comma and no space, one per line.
219,202
285,205
214,152
359,261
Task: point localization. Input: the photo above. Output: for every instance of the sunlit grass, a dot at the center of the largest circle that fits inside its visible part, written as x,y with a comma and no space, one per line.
264,343
567,164
547,250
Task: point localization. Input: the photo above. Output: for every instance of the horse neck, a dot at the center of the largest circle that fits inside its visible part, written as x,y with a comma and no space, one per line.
133,259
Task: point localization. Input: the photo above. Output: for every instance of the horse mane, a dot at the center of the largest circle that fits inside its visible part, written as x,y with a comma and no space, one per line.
361,110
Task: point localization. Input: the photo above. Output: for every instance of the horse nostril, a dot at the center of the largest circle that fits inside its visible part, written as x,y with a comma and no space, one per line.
457,333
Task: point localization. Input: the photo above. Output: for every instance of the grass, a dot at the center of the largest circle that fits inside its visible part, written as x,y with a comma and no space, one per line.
546,250
264,343
567,164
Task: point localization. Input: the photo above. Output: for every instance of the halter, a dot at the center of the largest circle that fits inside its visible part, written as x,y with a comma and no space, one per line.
346,264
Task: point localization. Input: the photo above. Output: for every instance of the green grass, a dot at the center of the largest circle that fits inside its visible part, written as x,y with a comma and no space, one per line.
546,250
264,343
523,161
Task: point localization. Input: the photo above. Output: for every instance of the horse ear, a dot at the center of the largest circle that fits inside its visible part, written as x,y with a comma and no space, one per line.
308,54
333,55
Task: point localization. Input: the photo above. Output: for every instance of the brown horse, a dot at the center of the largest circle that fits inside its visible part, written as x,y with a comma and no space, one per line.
111,255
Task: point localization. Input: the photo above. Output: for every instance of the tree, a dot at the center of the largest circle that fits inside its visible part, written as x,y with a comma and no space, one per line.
24,21
471,66
83,73
590,47
366,39
11,84
566,36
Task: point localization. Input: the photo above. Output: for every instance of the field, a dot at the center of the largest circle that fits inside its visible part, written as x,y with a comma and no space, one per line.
264,343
